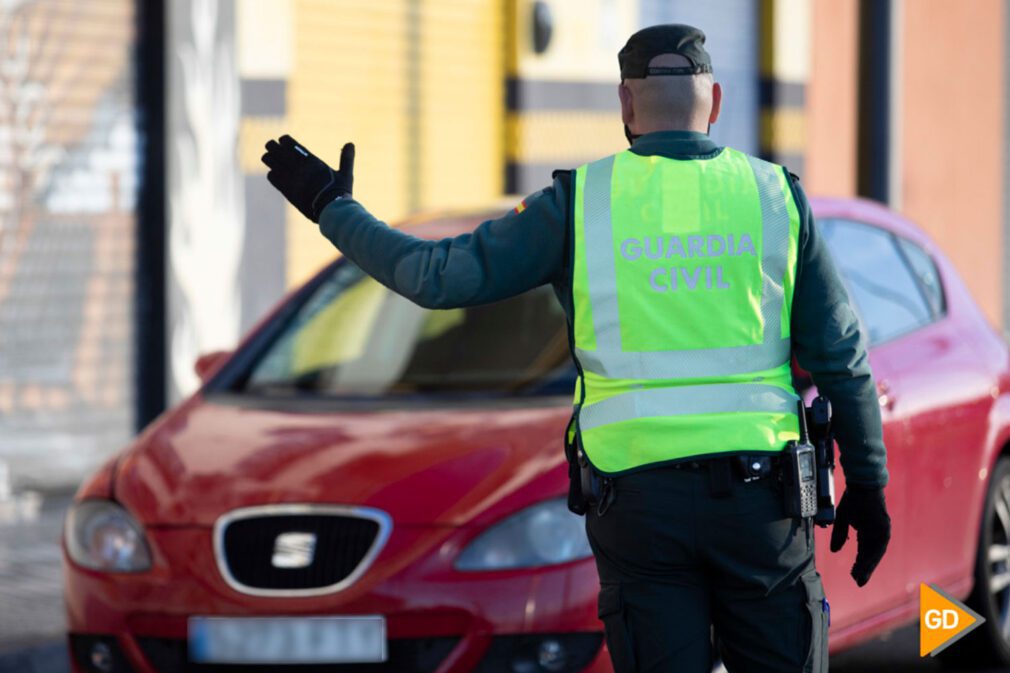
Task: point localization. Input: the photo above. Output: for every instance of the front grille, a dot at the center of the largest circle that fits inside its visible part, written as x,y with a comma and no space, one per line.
346,540
406,655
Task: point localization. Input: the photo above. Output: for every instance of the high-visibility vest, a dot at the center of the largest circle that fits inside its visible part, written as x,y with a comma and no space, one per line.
682,288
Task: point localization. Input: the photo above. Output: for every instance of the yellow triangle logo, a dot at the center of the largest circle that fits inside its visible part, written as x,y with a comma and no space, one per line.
942,620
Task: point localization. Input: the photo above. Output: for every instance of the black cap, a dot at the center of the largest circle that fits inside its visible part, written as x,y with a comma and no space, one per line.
671,38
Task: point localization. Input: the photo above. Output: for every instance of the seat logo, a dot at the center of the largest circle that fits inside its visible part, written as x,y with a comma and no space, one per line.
942,620
294,550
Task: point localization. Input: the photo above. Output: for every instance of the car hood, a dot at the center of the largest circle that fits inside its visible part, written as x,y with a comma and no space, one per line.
423,467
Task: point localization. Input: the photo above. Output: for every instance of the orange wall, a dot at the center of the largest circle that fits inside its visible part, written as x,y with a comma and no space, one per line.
831,99
952,135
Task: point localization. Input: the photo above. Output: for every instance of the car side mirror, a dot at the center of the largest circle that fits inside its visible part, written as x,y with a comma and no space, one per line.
208,363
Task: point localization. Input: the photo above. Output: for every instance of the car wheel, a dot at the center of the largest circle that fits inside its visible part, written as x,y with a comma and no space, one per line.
989,644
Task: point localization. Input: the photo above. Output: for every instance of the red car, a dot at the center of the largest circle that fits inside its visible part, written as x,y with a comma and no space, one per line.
369,485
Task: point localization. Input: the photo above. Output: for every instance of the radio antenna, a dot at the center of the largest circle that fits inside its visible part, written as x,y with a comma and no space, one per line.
804,433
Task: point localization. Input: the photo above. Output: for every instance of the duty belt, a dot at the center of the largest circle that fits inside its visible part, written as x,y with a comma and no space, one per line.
723,469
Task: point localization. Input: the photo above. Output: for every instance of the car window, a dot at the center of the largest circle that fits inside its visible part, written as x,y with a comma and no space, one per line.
353,337
926,273
879,281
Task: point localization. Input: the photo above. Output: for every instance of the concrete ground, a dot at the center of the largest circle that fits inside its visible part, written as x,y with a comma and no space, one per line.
31,609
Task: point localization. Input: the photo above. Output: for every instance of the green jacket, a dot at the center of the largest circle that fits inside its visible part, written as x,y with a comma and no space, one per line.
520,251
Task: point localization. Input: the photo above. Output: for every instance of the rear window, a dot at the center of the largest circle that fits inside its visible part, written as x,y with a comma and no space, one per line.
927,275
880,282
354,338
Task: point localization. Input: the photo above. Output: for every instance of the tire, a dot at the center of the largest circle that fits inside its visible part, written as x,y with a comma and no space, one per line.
989,644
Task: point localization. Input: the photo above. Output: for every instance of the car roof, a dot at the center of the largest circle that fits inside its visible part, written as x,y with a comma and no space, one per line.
871,212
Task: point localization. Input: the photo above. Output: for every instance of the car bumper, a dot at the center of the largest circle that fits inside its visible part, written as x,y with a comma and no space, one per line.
437,619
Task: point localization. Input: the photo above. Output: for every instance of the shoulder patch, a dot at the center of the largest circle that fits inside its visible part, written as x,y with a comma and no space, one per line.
521,206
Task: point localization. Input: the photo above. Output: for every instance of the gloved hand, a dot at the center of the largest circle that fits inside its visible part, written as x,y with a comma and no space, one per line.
304,179
865,510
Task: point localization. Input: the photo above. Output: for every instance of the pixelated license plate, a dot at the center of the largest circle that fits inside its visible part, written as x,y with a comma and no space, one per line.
287,640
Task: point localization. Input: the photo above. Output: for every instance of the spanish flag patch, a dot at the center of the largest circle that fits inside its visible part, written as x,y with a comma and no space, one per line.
520,208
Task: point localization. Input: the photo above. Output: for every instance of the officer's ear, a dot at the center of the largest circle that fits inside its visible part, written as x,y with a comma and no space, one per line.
716,103
627,109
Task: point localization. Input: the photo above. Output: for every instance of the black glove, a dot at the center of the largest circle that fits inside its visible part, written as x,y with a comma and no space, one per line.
304,179
865,510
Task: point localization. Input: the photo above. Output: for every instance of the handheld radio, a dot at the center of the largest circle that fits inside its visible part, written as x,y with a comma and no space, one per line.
799,473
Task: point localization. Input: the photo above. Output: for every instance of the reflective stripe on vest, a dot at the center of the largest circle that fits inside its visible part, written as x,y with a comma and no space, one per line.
709,399
642,400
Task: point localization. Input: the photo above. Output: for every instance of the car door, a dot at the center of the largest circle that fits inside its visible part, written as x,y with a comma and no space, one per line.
946,394
878,284
933,391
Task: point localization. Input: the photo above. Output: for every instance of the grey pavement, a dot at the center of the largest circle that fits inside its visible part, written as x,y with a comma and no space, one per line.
31,604
897,652
48,658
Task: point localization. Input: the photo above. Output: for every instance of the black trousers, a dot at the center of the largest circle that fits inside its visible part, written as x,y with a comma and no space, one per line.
676,561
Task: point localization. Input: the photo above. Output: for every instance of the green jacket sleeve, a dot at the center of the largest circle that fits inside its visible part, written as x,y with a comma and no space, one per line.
830,344
502,258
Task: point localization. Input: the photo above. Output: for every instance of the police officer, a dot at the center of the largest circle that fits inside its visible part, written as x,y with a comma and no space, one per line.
690,274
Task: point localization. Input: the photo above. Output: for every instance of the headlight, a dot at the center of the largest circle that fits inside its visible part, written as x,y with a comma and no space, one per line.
101,535
544,534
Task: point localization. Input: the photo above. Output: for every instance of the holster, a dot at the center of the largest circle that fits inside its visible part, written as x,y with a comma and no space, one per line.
819,418
577,502
586,487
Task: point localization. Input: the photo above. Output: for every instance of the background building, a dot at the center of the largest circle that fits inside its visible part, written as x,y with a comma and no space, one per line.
70,161
137,229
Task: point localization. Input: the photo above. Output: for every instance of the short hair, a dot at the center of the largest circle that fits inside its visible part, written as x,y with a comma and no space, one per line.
674,101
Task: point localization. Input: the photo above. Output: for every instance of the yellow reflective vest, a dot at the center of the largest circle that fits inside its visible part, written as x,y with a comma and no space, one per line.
682,290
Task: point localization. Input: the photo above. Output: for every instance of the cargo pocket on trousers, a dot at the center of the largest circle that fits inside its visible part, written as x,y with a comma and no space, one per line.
615,625
817,623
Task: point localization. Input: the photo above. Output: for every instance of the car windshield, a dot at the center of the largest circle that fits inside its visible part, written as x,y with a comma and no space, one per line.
354,338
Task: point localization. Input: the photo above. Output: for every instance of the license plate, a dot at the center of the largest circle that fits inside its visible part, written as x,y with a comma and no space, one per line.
287,640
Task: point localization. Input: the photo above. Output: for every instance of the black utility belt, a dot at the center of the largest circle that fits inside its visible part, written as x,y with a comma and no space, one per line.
804,468
746,467
595,490
724,471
